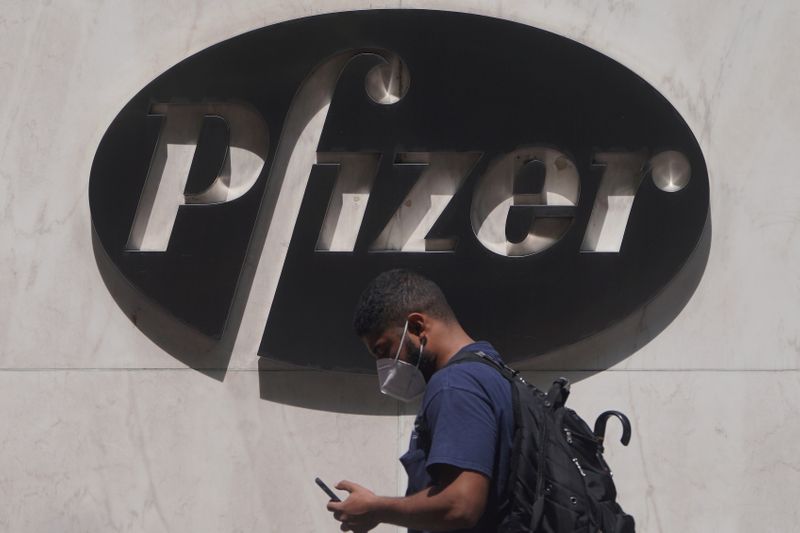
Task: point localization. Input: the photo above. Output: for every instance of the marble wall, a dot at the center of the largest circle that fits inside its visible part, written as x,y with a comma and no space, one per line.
104,431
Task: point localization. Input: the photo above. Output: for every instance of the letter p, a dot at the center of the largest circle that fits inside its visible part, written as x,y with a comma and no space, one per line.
164,189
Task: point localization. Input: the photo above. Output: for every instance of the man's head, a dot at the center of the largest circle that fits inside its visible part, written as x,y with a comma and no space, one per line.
397,296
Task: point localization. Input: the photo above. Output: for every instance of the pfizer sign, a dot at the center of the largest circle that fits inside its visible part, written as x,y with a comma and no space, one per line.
548,189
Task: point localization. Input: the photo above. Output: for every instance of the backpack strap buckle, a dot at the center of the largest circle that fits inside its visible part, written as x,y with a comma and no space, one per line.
558,393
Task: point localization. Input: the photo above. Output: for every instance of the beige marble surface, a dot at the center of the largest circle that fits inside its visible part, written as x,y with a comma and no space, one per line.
170,450
103,431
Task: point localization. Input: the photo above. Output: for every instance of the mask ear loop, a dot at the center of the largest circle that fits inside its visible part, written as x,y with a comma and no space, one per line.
421,348
402,338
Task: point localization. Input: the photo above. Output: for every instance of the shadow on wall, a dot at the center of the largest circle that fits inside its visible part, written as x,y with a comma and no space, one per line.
184,343
358,394
612,345
337,392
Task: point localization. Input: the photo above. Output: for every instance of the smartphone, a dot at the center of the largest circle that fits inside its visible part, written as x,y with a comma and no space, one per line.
327,490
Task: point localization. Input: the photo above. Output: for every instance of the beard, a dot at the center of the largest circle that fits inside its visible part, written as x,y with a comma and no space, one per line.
426,364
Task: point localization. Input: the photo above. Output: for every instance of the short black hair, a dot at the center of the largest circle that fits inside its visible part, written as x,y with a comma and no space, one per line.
392,295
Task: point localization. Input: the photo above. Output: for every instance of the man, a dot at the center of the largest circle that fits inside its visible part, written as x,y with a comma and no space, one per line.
458,457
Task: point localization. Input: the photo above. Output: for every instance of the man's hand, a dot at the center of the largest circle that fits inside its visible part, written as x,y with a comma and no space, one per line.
456,501
357,512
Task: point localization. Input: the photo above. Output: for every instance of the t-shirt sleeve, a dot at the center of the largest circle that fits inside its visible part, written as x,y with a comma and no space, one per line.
463,430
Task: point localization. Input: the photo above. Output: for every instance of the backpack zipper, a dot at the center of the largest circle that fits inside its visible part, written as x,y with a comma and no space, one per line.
575,460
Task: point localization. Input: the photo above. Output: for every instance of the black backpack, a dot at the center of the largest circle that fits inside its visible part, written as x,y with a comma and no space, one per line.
558,481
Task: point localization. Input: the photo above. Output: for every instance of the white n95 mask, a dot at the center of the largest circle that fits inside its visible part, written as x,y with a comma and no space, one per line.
398,379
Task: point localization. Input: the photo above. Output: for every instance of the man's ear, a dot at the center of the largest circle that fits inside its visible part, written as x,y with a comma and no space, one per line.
418,324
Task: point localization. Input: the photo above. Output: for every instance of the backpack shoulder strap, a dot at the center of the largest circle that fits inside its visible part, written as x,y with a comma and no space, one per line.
481,357
556,396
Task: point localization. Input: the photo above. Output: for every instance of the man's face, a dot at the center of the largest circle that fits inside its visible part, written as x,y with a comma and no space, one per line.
385,343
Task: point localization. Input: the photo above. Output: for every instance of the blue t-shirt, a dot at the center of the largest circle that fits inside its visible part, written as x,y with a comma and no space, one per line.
467,419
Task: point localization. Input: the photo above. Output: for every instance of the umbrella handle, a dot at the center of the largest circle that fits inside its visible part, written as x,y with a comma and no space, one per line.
602,420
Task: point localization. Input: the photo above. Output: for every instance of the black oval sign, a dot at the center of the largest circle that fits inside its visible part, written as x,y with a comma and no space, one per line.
549,190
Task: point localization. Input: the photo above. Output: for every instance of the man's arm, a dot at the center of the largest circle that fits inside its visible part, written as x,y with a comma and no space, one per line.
456,501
